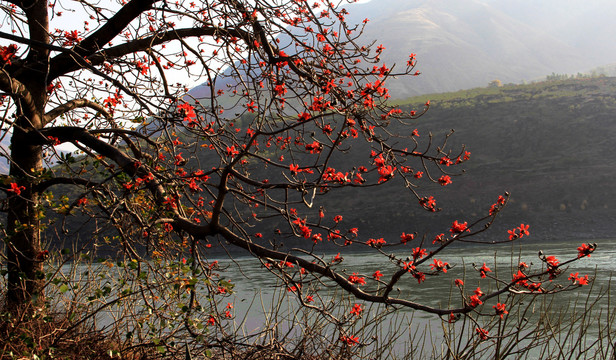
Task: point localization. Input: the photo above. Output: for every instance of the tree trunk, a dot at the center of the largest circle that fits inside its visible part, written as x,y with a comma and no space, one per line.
23,246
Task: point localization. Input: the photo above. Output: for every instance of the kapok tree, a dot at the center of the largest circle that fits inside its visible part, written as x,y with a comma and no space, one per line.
292,96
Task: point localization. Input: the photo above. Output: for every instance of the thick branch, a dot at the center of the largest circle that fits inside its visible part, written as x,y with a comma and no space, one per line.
64,63
329,273
19,92
74,104
44,185
73,134
114,26
126,162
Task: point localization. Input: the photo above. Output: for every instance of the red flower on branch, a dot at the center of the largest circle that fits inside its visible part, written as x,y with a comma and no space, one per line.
404,238
482,333
475,301
418,253
583,280
483,270
16,188
439,265
7,53
585,250
349,340
355,279
500,309
428,203
386,173
376,243
421,277
458,228
251,107
524,230
444,180
377,275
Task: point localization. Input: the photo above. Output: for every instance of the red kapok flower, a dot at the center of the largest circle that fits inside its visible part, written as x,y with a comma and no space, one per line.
404,238
439,265
500,309
585,250
444,180
457,228
356,310
377,275
16,188
482,333
355,279
475,301
524,230
349,340
483,270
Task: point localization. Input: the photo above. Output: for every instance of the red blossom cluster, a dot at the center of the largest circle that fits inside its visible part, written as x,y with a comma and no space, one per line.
500,202
585,250
404,238
484,270
518,232
475,299
428,203
458,228
500,309
7,53
350,340
356,279
439,265
356,310
71,38
376,243
482,333
580,280
385,171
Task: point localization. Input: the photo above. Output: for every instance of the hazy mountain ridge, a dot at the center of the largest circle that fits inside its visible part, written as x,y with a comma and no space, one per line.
468,43
464,44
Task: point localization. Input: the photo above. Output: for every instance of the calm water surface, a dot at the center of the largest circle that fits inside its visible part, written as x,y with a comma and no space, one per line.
255,287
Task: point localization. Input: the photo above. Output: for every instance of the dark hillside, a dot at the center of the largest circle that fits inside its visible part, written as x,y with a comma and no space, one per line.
549,144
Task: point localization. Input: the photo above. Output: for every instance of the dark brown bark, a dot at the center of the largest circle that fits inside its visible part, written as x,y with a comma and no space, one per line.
23,242
23,245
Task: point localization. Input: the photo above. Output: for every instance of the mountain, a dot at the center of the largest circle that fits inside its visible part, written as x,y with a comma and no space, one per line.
463,44
548,144
585,25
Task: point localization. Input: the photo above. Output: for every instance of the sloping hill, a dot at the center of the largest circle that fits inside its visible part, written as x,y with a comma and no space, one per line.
548,144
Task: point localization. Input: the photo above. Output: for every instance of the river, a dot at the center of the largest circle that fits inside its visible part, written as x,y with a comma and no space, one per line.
257,291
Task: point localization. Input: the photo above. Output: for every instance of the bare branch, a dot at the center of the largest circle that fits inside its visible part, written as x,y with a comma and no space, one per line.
74,104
